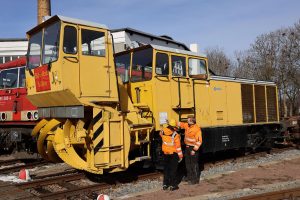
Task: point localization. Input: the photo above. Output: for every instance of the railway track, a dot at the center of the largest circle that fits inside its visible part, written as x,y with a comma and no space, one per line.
9,162
61,184
288,194
14,168
68,189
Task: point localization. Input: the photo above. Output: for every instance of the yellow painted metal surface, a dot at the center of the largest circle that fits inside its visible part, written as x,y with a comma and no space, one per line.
234,103
120,118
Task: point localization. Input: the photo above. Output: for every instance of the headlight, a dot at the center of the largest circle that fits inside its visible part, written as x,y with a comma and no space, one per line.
36,115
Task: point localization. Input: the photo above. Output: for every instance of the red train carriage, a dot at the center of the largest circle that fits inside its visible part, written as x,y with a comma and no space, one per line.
17,115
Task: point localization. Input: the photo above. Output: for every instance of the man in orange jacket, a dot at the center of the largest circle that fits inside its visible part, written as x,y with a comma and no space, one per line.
171,148
193,141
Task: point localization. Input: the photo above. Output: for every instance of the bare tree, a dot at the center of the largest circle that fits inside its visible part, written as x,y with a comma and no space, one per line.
275,57
218,62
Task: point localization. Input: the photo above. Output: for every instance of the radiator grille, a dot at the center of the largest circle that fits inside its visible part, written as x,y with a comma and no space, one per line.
247,103
260,103
272,105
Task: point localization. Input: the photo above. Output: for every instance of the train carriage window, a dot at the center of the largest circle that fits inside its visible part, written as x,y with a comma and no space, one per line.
142,65
197,66
70,40
9,78
92,43
123,65
178,66
162,64
51,43
22,77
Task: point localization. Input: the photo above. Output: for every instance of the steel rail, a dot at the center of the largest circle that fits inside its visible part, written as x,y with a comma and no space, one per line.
49,181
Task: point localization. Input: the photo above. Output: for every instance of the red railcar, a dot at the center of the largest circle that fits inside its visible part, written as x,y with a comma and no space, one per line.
17,115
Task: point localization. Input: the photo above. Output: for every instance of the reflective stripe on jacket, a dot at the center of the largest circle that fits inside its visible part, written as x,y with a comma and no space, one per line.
171,142
192,135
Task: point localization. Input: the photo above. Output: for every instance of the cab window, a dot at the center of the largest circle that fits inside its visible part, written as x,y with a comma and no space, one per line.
34,50
9,78
92,43
197,66
51,43
178,66
123,65
162,64
70,40
142,65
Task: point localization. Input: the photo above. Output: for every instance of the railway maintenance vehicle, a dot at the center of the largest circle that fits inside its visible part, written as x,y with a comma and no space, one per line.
17,115
102,112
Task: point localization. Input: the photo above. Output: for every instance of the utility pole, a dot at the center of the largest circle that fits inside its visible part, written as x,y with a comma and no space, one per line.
44,9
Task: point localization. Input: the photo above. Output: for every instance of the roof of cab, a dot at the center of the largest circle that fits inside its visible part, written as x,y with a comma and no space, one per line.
51,19
163,48
190,53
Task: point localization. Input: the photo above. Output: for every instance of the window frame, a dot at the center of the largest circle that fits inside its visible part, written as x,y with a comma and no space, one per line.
131,64
40,50
197,58
89,46
18,78
129,67
185,60
57,46
76,40
168,59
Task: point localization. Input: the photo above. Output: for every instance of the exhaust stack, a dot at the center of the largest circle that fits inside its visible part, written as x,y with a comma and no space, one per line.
44,9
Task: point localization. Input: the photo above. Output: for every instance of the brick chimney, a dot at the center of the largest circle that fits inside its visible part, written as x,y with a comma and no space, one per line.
44,9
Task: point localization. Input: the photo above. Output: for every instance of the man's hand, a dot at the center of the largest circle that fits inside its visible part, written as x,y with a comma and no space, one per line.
180,159
193,153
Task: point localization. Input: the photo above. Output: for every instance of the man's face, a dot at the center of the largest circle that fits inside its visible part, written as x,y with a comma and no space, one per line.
190,121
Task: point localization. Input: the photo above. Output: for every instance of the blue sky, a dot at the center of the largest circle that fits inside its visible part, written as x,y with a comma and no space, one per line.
230,24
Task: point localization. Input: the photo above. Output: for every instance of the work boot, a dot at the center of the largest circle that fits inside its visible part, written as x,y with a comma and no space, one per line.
194,182
185,179
165,187
172,188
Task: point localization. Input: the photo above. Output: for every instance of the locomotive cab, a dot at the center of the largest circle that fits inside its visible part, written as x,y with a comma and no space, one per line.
161,80
66,60
71,79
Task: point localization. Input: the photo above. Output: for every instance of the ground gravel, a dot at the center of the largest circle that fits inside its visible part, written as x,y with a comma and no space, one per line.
126,190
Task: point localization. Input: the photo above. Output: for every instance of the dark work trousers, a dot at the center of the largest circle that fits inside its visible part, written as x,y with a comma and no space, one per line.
192,166
170,168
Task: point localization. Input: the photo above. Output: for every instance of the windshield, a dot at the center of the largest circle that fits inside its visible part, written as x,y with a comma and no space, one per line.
142,65
123,65
197,66
34,50
51,40
8,78
49,48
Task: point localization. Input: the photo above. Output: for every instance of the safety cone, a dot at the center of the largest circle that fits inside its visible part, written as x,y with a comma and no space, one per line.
24,174
103,197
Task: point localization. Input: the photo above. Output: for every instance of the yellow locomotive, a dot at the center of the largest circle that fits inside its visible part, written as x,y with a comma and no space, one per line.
101,112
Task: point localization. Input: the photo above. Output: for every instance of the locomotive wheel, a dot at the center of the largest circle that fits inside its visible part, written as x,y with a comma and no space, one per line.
44,144
65,145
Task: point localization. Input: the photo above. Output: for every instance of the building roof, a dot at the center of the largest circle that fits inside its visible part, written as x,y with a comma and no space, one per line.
12,39
151,36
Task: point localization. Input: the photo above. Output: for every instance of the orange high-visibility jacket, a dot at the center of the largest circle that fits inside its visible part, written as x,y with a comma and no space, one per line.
171,142
192,135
